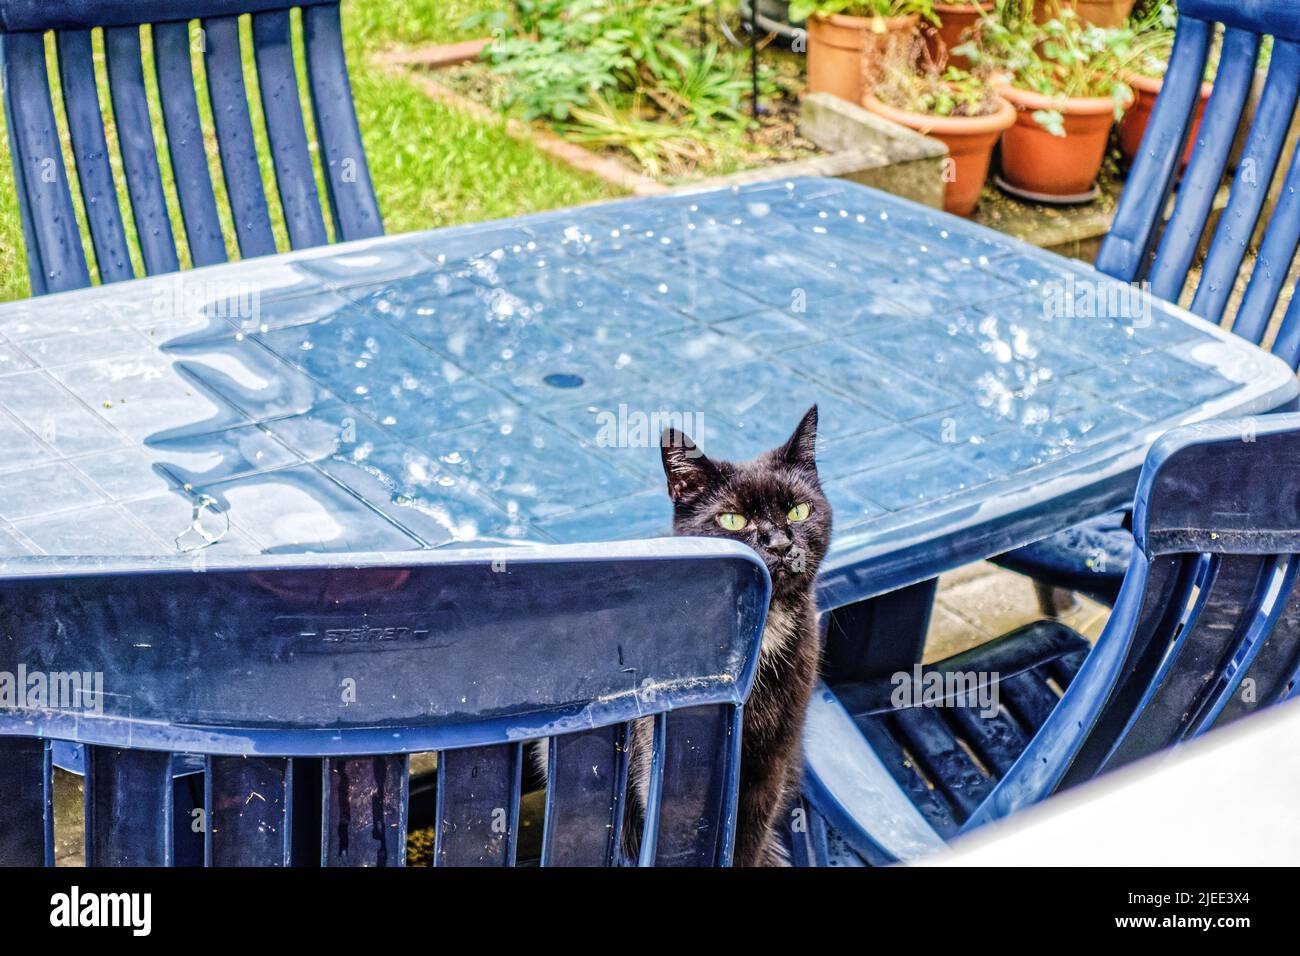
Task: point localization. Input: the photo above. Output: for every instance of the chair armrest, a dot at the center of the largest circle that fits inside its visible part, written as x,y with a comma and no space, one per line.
846,782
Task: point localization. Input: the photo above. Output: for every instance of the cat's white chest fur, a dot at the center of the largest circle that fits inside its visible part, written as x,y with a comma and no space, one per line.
779,632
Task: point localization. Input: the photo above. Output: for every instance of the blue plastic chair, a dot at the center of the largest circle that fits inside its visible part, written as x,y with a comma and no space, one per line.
307,681
57,260
1141,246
1206,630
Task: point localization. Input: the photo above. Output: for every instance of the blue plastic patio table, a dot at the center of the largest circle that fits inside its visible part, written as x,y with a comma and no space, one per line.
507,381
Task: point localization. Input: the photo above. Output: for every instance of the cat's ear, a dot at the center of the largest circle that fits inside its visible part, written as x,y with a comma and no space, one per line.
688,471
801,449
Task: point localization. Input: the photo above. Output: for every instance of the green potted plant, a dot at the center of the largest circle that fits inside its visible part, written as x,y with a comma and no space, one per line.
956,107
845,34
1066,80
1152,42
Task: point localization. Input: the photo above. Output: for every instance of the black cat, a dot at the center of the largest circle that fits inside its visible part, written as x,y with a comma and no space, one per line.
775,505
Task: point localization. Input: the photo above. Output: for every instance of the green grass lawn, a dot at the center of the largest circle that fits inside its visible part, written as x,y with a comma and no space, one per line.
432,165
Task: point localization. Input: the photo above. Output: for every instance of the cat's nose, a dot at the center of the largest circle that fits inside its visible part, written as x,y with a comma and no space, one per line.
777,540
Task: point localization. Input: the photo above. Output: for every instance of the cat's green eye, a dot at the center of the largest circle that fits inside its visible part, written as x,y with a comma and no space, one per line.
732,521
799,512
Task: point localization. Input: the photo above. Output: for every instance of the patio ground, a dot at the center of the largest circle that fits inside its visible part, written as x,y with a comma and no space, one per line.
981,601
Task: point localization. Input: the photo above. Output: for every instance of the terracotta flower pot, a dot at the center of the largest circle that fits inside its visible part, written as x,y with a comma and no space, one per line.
1133,126
1035,161
955,20
970,141
1102,13
845,51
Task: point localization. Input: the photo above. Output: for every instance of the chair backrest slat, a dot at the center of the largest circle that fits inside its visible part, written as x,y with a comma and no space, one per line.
652,791
696,802
189,159
1251,185
282,107
1124,253
586,796
243,176
1178,692
1273,261
1275,671
347,174
128,798
477,813
1200,185
90,149
1286,345
1265,659
363,821
139,157
35,266
250,811
57,260
26,803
